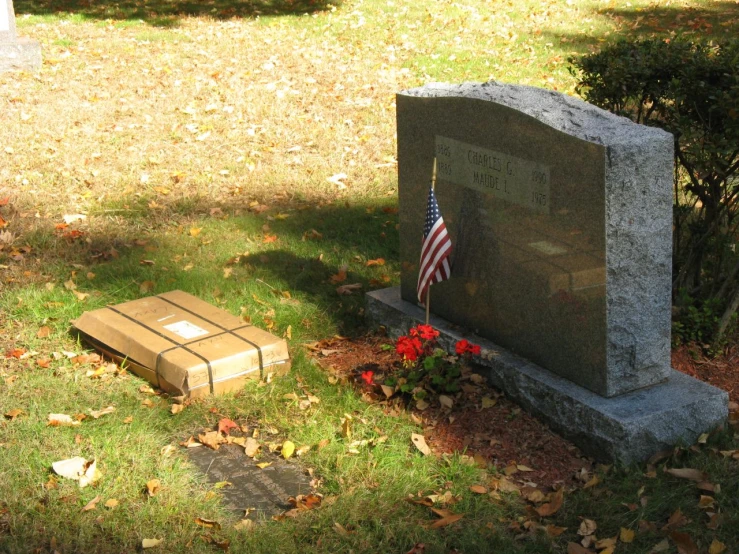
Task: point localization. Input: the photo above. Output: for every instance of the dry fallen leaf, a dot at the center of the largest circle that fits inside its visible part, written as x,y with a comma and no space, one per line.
43,332
288,449
717,547
684,543
587,527
91,505
211,439
574,548
420,442
345,290
12,414
56,420
447,520
111,503
151,543
99,413
251,447
153,486
78,469
478,489
553,506
209,523
688,473
225,426
626,535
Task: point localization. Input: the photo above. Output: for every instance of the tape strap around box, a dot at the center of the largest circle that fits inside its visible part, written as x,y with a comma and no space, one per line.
225,330
177,345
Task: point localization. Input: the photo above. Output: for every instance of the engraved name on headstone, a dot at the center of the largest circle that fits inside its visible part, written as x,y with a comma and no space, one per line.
523,182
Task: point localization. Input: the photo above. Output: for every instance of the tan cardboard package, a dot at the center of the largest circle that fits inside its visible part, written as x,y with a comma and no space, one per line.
184,345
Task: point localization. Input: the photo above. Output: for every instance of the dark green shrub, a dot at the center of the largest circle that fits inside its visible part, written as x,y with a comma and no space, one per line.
691,90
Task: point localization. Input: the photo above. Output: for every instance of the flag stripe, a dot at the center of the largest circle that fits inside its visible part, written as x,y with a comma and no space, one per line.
435,249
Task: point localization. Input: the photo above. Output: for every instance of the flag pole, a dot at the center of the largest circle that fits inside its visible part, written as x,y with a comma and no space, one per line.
428,291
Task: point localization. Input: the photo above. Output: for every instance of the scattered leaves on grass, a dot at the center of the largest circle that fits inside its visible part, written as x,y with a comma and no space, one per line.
420,443
553,506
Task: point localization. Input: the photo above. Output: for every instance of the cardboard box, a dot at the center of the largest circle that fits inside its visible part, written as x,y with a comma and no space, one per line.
184,345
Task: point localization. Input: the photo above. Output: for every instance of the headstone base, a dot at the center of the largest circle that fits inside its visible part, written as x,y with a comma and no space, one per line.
24,55
626,429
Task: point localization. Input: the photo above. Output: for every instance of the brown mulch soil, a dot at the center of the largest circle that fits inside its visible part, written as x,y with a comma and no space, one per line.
721,372
502,435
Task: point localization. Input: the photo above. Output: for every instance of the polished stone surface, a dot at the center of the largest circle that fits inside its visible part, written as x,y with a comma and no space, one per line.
628,428
263,491
560,216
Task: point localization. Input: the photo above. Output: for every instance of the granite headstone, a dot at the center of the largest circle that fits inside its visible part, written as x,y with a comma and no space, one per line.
16,53
560,214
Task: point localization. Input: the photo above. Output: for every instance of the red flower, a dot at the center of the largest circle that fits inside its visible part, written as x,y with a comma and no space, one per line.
464,346
427,332
368,376
408,347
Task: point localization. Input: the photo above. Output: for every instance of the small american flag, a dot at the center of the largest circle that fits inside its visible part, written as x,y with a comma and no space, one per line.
435,250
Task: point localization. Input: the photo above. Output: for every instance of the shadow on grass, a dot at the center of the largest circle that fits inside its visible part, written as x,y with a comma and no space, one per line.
166,13
307,254
714,20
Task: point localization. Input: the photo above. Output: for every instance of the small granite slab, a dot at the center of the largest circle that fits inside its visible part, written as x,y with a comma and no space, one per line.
628,428
265,491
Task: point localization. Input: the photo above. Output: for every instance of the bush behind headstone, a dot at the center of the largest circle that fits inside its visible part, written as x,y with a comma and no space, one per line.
691,90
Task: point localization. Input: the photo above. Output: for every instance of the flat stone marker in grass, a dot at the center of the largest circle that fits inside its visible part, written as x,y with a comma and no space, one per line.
266,491
561,219
16,53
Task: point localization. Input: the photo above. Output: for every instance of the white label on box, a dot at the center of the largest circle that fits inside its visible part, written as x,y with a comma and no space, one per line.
186,330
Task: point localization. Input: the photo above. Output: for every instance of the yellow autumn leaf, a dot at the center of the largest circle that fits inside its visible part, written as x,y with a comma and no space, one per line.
717,547
626,535
288,449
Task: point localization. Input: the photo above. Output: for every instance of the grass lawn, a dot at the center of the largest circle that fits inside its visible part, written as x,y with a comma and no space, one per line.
245,153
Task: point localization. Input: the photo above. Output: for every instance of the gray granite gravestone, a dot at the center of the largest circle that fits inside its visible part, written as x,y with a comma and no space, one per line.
16,53
560,216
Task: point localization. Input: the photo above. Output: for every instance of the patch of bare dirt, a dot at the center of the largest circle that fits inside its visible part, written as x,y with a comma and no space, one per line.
721,371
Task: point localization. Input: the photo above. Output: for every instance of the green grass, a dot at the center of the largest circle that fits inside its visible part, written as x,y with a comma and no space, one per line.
116,127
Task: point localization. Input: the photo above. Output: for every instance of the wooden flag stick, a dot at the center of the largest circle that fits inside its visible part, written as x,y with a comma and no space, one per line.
428,291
